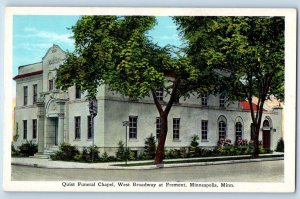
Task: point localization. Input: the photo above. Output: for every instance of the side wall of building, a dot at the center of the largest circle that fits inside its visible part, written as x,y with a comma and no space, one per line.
26,112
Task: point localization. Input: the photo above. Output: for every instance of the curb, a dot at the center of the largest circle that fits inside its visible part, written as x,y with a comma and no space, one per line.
148,167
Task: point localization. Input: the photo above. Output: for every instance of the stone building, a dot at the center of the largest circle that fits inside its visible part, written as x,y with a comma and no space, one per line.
50,117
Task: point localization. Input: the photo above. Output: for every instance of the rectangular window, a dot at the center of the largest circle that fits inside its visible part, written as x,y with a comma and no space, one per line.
25,95
222,101
204,99
160,94
158,127
204,129
133,127
34,128
77,92
77,127
90,129
51,84
35,93
25,129
176,125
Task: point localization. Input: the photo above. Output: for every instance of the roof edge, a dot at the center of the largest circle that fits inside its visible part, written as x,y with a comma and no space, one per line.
28,74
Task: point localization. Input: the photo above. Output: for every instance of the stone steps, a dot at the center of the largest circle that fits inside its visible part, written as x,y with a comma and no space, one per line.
47,153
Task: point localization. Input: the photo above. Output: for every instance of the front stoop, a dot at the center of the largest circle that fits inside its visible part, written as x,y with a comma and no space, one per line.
47,153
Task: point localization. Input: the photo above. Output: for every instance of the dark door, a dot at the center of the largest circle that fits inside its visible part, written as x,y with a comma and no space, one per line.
266,139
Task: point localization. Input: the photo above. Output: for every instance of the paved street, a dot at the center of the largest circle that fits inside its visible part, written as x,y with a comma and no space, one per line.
267,171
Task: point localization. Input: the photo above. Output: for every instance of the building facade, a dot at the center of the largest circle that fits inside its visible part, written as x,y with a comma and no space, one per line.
50,117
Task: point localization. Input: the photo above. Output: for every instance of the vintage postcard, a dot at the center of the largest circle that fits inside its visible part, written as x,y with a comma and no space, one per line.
149,99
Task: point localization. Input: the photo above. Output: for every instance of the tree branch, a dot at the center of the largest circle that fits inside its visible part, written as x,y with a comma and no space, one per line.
173,95
157,104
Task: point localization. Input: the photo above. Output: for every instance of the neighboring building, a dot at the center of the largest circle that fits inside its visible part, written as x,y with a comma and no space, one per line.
50,117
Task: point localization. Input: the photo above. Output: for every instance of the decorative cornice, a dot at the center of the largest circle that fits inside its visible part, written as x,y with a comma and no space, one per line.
61,115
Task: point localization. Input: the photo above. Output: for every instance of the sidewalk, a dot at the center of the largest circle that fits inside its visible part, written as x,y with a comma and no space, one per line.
48,163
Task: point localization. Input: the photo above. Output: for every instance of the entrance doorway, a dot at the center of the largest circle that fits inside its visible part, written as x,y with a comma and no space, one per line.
53,130
266,139
266,135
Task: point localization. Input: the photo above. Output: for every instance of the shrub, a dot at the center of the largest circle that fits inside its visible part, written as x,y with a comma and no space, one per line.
184,153
93,153
14,151
28,149
85,156
194,142
132,155
174,153
104,157
241,141
224,142
59,155
66,152
141,156
121,153
166,154
280,145
205,152
150,147
78,158
194,150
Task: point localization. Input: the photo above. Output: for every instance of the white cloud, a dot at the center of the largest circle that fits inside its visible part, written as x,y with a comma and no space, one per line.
33,46
167,37
50,36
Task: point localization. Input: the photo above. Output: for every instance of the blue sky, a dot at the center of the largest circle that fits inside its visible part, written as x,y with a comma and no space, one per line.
33,35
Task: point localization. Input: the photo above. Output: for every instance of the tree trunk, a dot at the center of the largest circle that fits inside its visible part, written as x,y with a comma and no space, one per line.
162,139
256,142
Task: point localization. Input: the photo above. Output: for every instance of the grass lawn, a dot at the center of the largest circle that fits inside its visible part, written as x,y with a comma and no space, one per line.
208,159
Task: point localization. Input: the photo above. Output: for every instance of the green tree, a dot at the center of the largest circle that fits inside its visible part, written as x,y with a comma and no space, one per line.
117,51
248,52
194,149
150,147
121,153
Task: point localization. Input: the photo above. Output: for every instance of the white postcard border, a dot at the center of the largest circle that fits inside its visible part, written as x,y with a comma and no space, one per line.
290,95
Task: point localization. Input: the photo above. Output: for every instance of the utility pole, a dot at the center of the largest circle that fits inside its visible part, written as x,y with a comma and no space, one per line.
126,123
93,112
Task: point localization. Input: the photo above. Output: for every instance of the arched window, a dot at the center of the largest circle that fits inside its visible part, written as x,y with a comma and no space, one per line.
222,130
238,130
222,123
266,123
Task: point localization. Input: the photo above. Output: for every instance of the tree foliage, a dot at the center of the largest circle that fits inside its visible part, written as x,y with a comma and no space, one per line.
248,51
117,51
150,147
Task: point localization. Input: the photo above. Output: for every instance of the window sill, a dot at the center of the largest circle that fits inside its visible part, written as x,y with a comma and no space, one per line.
204,141
77,139
133,140
176,140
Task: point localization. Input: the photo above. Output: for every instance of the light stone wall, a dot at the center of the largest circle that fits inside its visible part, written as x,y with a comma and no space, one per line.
25,113
114,108
190,124
29,82
30,68
52,60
